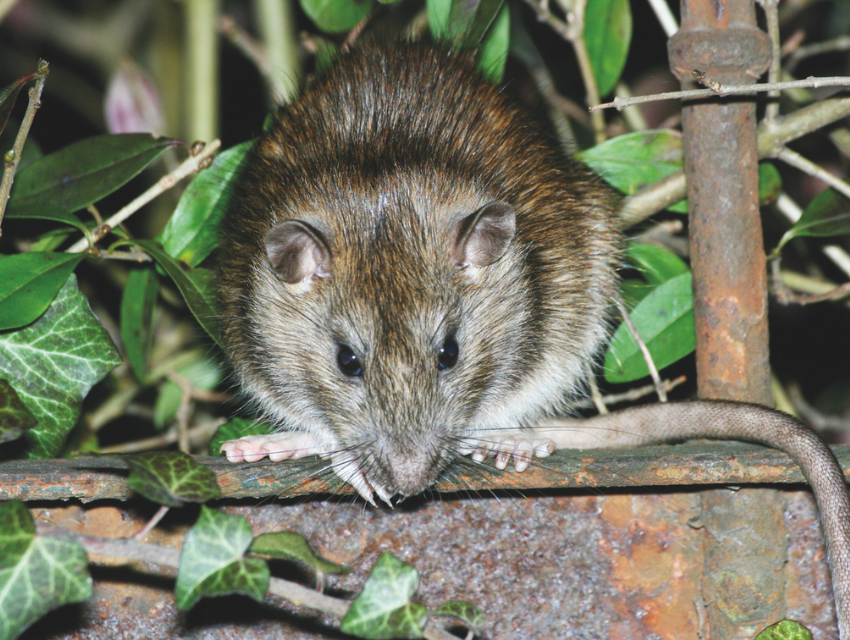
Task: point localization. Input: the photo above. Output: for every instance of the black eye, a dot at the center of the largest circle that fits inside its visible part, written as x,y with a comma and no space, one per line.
348,362
448,354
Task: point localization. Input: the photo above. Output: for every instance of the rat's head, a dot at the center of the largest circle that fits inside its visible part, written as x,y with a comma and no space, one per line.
389,327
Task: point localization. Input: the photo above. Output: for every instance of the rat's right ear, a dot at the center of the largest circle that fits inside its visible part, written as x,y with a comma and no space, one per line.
481,238
297,252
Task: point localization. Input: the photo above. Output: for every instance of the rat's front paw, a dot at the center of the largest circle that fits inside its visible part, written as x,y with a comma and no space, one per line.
519,445
277,446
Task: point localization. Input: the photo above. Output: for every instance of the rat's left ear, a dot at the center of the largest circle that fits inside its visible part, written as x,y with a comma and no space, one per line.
481,238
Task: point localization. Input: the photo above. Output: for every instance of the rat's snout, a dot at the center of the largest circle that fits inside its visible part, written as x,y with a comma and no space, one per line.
410,472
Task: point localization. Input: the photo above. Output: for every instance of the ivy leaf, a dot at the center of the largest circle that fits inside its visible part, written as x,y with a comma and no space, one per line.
86,171
785,630
665,321
212,562
383,609
468,614
53,362
635,160
828,214
287,545
8,97
235,429
137,306
15,419
30,282
192,231
171,478
607,35
337,16
195,285
37,573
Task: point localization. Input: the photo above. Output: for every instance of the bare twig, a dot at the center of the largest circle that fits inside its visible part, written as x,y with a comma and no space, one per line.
772,139
724,90
13,157
807,166
187,168
841,43
150,524
647,356
197,436
770,10
785,295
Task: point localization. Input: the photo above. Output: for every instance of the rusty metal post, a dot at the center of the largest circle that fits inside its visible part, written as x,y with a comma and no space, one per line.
745,538
720,38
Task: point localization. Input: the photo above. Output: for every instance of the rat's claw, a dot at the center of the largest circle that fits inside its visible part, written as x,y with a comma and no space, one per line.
505,446
345,466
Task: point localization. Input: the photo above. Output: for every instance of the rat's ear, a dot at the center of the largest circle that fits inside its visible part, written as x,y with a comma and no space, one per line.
481,238
297,252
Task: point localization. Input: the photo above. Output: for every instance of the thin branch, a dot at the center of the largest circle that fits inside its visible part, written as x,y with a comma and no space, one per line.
816,171
647,356
13,157
724,90
197,436
841,43
772,14
131,549
665,17
772,138
187,168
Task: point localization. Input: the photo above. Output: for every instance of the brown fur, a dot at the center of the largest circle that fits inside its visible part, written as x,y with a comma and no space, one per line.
383,156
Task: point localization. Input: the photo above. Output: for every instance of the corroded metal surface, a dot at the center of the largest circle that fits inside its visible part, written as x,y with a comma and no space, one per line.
580,565
89,479
719,38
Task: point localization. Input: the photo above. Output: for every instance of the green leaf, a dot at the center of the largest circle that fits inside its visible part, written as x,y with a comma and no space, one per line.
204,373
192,232
212,562
665,321
235,429
171,478
383,609
828,214
493,53
337,16
770,183
86,171
438,12
195,285
635,160
607,35
37,573
8,97
471,19
287,545
466,613
785,630
15,419
30,282
657,265
137,306
39,211
53,362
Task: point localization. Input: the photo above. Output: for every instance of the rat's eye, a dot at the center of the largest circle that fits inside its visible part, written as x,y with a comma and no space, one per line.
448,354
348,362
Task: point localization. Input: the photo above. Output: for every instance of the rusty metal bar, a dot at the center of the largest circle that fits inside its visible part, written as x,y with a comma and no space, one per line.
718,463
720,38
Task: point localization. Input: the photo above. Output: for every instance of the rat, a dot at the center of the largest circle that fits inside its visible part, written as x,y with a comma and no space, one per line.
412,270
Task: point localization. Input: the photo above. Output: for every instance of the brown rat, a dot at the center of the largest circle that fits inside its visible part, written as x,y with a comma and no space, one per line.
411,270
